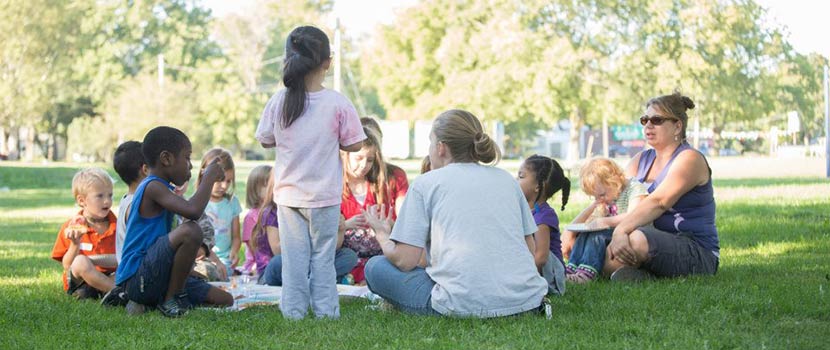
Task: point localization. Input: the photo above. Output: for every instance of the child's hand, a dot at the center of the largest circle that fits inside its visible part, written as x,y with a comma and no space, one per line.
213,172
76,229
568,239
234,257
357,221
380,221
598,223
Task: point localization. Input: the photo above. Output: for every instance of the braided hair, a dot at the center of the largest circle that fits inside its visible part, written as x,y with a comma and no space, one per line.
550,178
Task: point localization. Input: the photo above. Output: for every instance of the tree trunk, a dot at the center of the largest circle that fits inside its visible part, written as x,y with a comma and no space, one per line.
30,143
4,141
576,129
716,139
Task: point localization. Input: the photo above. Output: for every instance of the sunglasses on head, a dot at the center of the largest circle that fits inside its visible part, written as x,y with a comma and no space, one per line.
655,119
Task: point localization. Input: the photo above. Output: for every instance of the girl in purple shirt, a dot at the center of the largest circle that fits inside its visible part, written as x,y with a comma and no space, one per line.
540,178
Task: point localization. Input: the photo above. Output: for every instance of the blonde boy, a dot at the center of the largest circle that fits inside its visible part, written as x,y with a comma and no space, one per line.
85,245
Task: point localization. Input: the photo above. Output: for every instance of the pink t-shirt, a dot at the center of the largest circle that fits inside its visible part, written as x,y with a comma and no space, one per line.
308,170
248,224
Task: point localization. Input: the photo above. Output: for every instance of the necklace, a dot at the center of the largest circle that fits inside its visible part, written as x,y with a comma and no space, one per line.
96,221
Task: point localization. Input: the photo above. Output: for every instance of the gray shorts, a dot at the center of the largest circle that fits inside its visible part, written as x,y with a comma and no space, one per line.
677,254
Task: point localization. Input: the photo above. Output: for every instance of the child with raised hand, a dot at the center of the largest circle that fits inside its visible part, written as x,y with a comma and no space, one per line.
255,191
615,196
308,124
85,245
223,209
157,261
540,178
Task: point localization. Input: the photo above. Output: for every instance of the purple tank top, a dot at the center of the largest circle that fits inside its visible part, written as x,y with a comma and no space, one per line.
694,212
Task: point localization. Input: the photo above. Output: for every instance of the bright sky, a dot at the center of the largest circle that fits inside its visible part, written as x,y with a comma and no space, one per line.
806,20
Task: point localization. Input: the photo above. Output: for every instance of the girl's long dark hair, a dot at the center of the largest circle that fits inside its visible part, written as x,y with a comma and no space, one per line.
306,49
550,177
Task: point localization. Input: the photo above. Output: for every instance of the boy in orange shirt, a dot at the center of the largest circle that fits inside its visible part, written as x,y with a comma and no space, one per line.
86,243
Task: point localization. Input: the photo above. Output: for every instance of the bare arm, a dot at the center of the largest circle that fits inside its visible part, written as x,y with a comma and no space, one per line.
236,241
614,221
70,255
353,147
273,239
531,243
542,240
404,256
341,232
687,171
161,197
585,213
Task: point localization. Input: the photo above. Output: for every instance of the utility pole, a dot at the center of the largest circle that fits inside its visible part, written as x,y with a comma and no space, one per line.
605,135
337,77
161,86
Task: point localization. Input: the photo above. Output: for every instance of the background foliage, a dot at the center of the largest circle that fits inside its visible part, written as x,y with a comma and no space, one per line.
84,72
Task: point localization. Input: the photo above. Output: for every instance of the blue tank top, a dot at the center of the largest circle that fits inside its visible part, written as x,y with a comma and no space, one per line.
141,232
694,212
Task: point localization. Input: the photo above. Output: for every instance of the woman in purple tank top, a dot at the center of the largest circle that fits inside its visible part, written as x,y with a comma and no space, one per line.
672,231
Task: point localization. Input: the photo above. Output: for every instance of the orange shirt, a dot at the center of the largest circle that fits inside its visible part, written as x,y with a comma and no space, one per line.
92,243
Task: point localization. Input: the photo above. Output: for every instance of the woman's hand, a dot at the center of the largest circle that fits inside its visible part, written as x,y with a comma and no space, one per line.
620,248
380,221
356,222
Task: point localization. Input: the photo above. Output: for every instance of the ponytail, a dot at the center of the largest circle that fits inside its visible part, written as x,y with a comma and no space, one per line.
549,177
306,49
461,131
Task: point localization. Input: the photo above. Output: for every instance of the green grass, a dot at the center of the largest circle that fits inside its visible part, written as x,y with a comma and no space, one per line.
771,290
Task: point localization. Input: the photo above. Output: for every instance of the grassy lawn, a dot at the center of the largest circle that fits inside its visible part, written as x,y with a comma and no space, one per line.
771,291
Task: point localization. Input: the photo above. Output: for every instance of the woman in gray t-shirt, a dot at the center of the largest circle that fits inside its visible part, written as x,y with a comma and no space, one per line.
462,242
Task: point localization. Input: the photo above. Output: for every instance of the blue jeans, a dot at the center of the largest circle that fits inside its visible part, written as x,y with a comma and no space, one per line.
345,260
408,291
589,249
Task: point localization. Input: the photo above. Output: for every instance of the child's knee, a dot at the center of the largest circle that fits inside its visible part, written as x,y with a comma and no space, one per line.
191,232
81,265
639,243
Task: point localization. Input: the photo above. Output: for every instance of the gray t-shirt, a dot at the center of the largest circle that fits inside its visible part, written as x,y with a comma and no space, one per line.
121,225
472,220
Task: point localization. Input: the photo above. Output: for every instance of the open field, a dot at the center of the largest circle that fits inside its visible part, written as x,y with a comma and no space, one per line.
771,291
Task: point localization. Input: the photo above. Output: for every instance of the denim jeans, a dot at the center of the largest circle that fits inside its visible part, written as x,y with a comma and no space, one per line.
589,249
345,260
410,292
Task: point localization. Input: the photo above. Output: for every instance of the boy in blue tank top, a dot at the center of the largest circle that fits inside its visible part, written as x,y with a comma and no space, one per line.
156,262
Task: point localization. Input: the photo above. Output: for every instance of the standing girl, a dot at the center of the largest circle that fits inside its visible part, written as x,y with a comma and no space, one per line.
540,178
308,124
265,244
223,209
255,192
